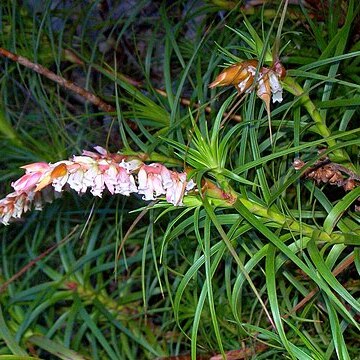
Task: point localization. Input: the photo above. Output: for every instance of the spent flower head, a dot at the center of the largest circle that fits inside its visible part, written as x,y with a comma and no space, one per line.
243,76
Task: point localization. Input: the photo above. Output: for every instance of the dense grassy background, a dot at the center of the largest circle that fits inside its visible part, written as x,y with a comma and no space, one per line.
214,277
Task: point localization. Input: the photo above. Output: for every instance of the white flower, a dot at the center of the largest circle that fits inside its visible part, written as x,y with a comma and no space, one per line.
150,181
125,183
59,175
110,178
76,181
59,182
98,186
190,185
166,176
175,192
275,86
89,176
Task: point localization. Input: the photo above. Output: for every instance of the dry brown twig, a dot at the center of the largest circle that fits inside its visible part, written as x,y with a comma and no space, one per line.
4,286
101,104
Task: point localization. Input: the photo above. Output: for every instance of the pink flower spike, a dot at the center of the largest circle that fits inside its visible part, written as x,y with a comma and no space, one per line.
97,172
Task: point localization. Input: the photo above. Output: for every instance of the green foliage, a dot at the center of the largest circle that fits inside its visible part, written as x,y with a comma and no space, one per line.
227,270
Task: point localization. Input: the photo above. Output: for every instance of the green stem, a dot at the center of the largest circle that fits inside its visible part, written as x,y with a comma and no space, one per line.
228,197
291,224
294,88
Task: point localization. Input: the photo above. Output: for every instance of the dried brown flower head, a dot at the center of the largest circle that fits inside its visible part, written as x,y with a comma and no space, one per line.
325,171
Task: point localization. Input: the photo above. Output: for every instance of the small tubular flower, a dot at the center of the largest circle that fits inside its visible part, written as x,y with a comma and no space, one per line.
176,191
26,182
59,176
125,184
275,86
178,187
150,181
